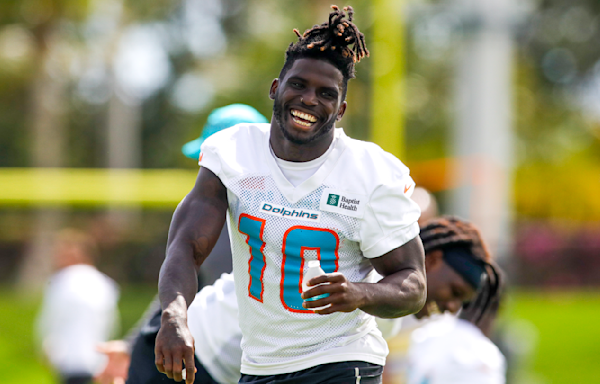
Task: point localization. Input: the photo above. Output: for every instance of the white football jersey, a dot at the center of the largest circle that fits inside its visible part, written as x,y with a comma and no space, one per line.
355,207
213,321
449,350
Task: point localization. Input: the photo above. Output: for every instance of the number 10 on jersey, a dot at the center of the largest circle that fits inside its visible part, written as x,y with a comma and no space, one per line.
296,241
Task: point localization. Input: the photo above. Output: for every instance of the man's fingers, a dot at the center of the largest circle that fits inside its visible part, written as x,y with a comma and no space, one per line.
159,361
190,367
334,288
177,367
103,348
168,365
113,346
335,277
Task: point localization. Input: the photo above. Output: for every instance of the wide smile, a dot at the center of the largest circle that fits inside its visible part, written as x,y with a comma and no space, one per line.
302,119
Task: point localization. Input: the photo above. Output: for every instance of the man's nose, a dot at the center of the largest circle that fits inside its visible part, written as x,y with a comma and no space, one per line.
309,98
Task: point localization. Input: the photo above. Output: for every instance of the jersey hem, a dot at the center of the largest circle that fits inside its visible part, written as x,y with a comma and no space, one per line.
319,360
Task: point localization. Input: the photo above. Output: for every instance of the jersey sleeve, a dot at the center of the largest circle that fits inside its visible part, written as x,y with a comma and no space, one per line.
209,157
390,218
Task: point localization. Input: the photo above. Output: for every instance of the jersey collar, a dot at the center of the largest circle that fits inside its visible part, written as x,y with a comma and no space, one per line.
294,194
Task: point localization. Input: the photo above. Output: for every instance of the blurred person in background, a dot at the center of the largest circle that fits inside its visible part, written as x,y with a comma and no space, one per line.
79,309
427,202
453,350
456,349
132,359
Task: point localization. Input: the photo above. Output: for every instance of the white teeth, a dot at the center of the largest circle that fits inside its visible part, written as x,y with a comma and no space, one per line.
304,123
304,116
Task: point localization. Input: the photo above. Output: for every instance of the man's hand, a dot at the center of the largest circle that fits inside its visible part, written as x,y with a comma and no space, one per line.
344,296
174,348
401,291
117,367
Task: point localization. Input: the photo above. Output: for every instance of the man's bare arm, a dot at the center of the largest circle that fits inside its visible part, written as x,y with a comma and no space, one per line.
194,230
401,292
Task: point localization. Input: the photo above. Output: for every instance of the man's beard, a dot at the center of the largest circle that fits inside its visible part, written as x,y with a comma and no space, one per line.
278,113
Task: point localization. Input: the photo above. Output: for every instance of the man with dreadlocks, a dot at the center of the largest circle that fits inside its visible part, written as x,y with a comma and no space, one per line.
456,260
456,350
294,191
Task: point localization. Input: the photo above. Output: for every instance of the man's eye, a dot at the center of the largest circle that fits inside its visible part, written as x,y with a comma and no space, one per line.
328,95
295,84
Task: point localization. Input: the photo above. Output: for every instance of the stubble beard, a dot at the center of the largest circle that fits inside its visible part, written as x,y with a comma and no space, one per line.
278,112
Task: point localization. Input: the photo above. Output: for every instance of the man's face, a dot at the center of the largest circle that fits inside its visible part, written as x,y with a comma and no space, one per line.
308,100
446,289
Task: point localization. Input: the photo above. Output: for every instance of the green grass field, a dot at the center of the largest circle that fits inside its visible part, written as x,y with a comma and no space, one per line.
567,339
568,336
20,359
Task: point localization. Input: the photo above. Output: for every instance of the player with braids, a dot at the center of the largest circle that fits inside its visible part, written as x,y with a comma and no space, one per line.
459,245
331,41
337,41
295,192
460,273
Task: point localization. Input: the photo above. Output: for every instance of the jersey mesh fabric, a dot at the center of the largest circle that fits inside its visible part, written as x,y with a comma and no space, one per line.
272,333
276,337
213,322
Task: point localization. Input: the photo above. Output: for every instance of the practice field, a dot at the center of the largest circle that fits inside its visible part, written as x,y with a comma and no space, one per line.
568,336
564,333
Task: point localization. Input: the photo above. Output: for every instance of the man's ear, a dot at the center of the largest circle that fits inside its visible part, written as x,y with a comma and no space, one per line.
274,86
341,111
433,259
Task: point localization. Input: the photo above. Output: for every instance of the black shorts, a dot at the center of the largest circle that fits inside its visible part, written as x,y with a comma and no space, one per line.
77,379
348,372
142,369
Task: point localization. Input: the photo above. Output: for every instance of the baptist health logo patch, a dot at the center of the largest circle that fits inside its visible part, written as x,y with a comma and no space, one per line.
349,204
333,200
289,213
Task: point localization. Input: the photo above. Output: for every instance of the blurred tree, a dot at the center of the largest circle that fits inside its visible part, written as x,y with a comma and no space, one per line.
46,115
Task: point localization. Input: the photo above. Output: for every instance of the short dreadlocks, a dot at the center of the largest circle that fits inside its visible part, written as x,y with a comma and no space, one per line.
451,232
330,41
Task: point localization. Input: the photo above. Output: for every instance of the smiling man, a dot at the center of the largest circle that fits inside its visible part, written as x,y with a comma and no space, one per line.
295,190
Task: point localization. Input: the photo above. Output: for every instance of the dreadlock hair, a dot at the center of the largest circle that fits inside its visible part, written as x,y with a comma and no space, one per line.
330,41
451,232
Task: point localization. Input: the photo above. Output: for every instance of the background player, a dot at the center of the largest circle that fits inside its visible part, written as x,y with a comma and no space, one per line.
293,191
457,350
79,309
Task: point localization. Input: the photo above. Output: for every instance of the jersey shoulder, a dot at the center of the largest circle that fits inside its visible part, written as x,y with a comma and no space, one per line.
370,166
372,157
236,151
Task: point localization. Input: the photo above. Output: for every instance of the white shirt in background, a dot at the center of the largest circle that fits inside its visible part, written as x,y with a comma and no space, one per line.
453,351
79,311
213,322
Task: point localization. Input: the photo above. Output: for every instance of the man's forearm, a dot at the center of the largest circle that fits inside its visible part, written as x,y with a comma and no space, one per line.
178,280
399,294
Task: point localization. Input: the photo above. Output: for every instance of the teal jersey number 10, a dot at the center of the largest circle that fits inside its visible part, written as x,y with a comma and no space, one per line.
296,241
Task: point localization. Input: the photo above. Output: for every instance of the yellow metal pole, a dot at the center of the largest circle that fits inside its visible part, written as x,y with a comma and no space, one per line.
388,63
